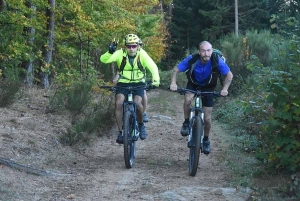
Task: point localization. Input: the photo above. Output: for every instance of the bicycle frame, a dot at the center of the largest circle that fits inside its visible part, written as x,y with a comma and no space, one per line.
129,122
196,111
196,127
130,105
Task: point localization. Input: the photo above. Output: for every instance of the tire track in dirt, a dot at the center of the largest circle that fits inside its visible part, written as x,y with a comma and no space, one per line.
97,171
161,164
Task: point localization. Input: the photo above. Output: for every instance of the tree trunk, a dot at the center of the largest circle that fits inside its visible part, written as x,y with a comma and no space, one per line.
236,17
29,65
50,43
171,6
81,52
162,11
2,5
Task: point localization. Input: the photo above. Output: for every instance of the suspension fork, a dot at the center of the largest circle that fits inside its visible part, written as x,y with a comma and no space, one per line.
195,112
129,105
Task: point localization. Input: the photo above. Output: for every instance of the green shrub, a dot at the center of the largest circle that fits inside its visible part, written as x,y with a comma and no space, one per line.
238,51
261,44
74,98
166,76
98,116
78,97
71,137
8,91
276,107
234,51
228,112
268,107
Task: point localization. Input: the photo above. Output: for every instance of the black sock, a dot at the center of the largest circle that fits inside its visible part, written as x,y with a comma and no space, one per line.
205,138
186,121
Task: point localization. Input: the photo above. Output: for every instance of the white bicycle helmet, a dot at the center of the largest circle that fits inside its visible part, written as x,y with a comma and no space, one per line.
132,38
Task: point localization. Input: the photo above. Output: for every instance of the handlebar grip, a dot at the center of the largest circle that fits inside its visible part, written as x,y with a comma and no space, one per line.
217,93
105,87
180,89
109,88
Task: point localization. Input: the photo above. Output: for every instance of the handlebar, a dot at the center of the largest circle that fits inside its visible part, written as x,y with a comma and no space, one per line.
182,91
147,86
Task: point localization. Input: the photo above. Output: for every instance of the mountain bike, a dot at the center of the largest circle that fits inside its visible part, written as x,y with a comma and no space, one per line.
196,127
130,127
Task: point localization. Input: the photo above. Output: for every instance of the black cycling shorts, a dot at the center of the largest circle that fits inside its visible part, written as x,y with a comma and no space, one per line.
207,101
136,92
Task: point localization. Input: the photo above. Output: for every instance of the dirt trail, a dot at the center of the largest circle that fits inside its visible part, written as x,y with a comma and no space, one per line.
98,172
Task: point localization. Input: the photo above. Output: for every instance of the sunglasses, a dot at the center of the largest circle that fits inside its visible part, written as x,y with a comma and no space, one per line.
131,46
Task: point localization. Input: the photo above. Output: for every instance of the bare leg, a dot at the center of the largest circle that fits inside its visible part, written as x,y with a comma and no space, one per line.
145,101
187,104
207,120
140,110
186,110
119,110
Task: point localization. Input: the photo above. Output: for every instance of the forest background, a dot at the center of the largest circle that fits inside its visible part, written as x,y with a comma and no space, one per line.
57,45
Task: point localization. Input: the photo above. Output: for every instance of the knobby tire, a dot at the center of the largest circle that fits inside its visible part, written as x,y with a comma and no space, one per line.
129,143
197,132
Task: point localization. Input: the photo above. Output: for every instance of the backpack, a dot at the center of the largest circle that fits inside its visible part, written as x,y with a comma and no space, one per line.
212,82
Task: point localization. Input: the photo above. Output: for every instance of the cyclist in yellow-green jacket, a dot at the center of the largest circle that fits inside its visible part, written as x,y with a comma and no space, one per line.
132,62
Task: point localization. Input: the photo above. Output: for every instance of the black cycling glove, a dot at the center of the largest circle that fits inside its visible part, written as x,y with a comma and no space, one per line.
113,46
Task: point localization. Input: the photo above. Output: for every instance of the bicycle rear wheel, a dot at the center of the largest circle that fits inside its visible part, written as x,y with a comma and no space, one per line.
197,131
129,142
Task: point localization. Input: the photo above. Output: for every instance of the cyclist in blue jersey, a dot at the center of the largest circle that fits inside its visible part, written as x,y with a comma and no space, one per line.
202,78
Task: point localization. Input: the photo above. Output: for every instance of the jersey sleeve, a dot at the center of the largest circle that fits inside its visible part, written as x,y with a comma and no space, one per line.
109,58
148,63
223,67
183,65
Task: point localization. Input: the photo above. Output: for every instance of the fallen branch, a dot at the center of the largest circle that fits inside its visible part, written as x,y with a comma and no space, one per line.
27,169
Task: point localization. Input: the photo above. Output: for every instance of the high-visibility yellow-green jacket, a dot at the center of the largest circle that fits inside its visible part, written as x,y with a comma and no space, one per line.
132,74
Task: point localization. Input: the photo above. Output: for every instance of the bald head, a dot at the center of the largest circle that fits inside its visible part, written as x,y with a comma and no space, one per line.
205,51
204,43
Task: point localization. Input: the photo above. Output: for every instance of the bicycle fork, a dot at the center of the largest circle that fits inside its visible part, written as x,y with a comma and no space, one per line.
132,108
195,112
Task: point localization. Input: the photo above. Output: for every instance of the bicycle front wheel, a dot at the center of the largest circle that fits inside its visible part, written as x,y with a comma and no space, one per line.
197,131
129,142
